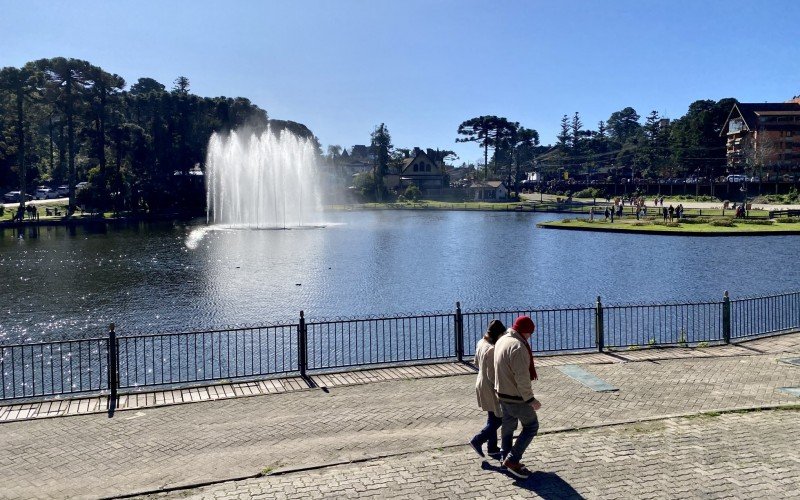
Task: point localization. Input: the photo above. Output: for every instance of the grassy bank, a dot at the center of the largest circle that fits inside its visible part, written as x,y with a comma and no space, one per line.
692,227
532,206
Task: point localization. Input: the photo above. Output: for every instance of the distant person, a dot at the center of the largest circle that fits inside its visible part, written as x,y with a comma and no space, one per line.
671,212
484,388
606,213
665,212
591,214
514,370
613,209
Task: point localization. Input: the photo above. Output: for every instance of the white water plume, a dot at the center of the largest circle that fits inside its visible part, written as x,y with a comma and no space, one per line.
261,180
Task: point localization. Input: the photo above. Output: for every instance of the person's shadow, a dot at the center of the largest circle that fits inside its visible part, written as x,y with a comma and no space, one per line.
547,485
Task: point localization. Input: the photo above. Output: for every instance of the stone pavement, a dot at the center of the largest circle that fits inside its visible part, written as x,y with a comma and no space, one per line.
149,449
748,455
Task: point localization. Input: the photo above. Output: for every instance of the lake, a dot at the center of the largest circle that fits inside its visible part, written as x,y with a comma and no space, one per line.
57,282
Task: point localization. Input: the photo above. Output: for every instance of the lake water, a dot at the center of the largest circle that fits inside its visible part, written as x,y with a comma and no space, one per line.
57,282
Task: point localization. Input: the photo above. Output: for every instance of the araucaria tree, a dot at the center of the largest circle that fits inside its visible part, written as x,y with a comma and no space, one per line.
23,86
478,130
489,132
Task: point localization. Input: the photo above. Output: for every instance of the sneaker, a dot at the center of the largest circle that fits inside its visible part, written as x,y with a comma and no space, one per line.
517,469
495,454
477,447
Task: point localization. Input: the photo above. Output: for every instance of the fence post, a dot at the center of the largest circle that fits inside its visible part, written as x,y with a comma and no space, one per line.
726,318
302,345
113,368
598,325
459,333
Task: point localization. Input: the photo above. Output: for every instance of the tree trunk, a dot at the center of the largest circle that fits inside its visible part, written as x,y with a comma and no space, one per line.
21,143
486,160
70,144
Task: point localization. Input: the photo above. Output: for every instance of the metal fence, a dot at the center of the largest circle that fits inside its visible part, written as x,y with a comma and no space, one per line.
186,358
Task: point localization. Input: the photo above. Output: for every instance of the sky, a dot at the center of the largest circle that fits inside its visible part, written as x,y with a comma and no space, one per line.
424,66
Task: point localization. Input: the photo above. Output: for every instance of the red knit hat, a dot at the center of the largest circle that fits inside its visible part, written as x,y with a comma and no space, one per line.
524,324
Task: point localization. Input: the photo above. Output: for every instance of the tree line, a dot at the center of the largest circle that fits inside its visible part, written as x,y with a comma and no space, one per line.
66,120
657,148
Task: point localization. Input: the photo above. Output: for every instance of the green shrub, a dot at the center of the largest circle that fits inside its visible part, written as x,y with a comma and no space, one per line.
640,224
672,224
757,222
788,220
412,193
566,221
722,223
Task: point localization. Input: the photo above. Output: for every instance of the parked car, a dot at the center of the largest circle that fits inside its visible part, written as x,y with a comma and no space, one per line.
14,196
44,193
62,190
80,185
736,178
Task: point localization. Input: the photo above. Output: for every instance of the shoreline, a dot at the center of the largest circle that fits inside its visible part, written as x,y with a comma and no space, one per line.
691,230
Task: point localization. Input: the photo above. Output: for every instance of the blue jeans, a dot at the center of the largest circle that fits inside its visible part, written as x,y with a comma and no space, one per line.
524,414
488,434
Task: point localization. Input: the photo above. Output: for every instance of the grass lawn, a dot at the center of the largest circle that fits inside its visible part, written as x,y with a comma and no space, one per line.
9,212
633,226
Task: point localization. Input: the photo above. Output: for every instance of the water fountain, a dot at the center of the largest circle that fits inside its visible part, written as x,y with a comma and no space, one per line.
261,180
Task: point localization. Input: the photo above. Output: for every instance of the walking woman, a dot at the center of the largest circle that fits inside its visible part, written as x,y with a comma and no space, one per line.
484,387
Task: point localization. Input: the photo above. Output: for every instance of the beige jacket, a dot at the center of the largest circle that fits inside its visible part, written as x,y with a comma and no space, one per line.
484,386
512,380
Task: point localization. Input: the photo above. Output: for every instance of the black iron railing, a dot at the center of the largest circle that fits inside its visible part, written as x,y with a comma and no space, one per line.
111,363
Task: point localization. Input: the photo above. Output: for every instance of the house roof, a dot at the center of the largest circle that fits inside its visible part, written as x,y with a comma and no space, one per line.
408,161
750,111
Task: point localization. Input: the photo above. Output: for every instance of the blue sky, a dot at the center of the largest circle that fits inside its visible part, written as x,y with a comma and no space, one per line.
422,67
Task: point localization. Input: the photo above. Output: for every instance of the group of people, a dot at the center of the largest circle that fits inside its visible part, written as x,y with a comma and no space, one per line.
505,371
29,212
672,213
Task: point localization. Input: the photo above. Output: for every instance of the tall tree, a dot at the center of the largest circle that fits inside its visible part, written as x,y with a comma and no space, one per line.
181,85
381,145
104,87
576,137
23,84
522,143
501,136
67,81
478,130
695,138
623,125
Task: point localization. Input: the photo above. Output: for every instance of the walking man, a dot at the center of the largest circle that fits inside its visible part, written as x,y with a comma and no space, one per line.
514,370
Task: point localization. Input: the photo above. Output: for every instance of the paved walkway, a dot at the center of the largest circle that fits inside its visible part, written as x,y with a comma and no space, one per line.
148,449
731,455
